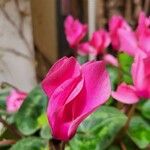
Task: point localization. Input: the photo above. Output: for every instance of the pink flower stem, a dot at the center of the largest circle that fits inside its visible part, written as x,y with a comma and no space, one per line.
4,84
56,145
120,76
122,145
129,114
7,142
123,131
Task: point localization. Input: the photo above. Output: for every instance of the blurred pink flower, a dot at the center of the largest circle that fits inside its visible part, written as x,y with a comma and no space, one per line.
141,83
15,100
74,92
143,32
116,23
129,43
110,59
99,41
74,30
85,49
126,94
141,76
136,42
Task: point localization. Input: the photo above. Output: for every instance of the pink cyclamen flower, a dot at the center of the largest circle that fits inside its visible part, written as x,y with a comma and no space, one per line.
141,83
143,32
74,92
99,41
74,30
138,41
116,23
15,100
141,76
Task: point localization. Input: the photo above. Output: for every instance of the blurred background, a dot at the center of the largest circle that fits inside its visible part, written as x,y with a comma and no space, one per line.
32,33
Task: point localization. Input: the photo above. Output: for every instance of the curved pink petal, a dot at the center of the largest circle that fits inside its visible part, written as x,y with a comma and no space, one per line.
100,40
96,80
74,30
57,65
116,23
141,76
86,48
66,68
143,32
147,64
129,43
105,37
97,91
137,72
65,93
59,99
68,21
125,94
143,24
144,41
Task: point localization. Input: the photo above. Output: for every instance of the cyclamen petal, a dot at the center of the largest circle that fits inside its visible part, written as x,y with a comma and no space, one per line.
74,30
58,119
143,24
86,48
141,80
144,43
116,23
128,43
15,100
136,42
75,98
137,71
141,76
97,44
97,82
99,87
143,32
66,67
100,40
126,94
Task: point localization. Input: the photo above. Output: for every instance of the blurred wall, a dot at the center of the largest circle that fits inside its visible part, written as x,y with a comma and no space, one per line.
17,63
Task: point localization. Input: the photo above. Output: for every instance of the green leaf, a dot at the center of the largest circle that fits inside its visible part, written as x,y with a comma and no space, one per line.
27,118
43,120
45,132
31,143
99,130
45,128
145,109
125,62
82,59
3,94
139,132
113,72
129,144
114,147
